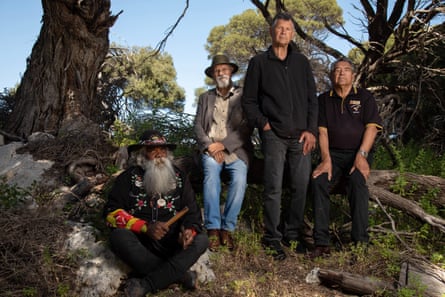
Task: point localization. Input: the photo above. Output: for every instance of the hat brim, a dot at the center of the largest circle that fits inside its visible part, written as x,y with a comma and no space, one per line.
209,70
135,147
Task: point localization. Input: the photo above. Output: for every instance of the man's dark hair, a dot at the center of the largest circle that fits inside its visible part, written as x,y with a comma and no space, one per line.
343,59
282,16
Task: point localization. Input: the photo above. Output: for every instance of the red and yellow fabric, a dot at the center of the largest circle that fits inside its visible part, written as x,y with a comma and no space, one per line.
122,219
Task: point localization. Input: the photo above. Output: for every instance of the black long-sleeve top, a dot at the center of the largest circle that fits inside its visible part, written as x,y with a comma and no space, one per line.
282,93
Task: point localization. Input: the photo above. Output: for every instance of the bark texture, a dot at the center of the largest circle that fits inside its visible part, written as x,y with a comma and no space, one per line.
58,89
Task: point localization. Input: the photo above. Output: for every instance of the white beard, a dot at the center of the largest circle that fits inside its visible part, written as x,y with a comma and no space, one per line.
159,176
223,81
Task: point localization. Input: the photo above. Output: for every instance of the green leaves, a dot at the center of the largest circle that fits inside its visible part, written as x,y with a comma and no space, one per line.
144,77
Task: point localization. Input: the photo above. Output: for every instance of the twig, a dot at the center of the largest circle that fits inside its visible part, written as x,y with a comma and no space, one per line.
393,224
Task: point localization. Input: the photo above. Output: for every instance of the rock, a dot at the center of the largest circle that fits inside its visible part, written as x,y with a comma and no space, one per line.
40,136
203,269
20,169
101,272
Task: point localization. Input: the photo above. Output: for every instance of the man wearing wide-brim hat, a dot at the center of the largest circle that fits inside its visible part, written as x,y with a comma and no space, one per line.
151,138
141,204
220,59
224,142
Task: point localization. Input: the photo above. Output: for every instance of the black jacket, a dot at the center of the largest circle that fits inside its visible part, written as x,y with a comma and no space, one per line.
281,93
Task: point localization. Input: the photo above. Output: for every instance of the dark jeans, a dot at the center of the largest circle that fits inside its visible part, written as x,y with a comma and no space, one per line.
159,269
356,191
276,152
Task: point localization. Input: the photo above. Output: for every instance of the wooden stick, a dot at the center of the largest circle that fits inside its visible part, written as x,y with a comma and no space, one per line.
178,215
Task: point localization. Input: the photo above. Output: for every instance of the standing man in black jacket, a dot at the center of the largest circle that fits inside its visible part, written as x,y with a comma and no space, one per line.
280,100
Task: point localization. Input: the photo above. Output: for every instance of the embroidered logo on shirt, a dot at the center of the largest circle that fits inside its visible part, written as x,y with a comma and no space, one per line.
355,106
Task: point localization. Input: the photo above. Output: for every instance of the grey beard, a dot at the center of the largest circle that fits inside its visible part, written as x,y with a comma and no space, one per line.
223,81
159,176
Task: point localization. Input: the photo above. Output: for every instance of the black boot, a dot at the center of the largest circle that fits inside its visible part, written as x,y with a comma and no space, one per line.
190,280
137,287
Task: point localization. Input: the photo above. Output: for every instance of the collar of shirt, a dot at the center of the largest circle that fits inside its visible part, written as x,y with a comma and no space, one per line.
229,94
271,53
332,93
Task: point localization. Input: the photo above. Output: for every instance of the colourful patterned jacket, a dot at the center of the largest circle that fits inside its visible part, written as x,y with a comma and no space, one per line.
130,207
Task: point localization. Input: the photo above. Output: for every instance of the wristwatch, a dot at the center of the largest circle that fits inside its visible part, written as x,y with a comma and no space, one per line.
363,153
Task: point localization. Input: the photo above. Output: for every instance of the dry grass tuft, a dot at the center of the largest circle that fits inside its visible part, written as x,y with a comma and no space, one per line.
31,258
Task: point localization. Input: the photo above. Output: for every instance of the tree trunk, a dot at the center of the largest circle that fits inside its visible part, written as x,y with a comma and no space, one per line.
58,88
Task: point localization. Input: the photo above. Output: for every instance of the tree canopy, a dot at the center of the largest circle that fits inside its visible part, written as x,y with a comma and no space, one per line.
142,77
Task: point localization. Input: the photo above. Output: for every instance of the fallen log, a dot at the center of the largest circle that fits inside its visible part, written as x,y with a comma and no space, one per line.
379,177
409,207
353,284
423,276
416,274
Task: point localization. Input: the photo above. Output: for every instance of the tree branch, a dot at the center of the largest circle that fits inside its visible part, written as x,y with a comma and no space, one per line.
346,36
396,201
161,45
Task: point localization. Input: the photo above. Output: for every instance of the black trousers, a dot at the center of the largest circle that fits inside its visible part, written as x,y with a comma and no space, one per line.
356,191
160,267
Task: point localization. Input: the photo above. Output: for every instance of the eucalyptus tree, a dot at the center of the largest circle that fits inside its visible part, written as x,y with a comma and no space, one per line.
140,78
58,88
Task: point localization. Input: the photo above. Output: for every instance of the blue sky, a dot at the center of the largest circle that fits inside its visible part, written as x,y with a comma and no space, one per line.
142,23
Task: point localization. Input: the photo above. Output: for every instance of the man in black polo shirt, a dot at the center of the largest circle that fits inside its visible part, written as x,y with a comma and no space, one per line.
348,125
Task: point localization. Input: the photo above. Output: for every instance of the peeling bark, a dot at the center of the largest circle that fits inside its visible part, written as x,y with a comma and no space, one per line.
59,85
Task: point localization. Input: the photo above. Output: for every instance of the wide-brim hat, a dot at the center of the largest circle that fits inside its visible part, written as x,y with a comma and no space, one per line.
220,59
151,138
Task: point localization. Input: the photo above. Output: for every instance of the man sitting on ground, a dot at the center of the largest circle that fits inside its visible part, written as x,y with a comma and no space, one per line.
141,205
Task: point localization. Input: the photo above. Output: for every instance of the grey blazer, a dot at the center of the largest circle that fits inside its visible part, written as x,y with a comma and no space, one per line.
238,132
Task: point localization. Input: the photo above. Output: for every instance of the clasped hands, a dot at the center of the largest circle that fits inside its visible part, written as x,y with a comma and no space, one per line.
216,151
157,230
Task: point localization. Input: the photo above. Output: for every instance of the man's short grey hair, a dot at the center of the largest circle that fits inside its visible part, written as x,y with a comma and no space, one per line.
343,59
282,16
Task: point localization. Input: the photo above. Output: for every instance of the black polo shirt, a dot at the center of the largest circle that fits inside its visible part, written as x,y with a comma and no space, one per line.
346,119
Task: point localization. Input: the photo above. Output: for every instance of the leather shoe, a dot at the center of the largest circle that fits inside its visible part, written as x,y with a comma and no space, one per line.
189,281
274,249
227,239
320,251
214,239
